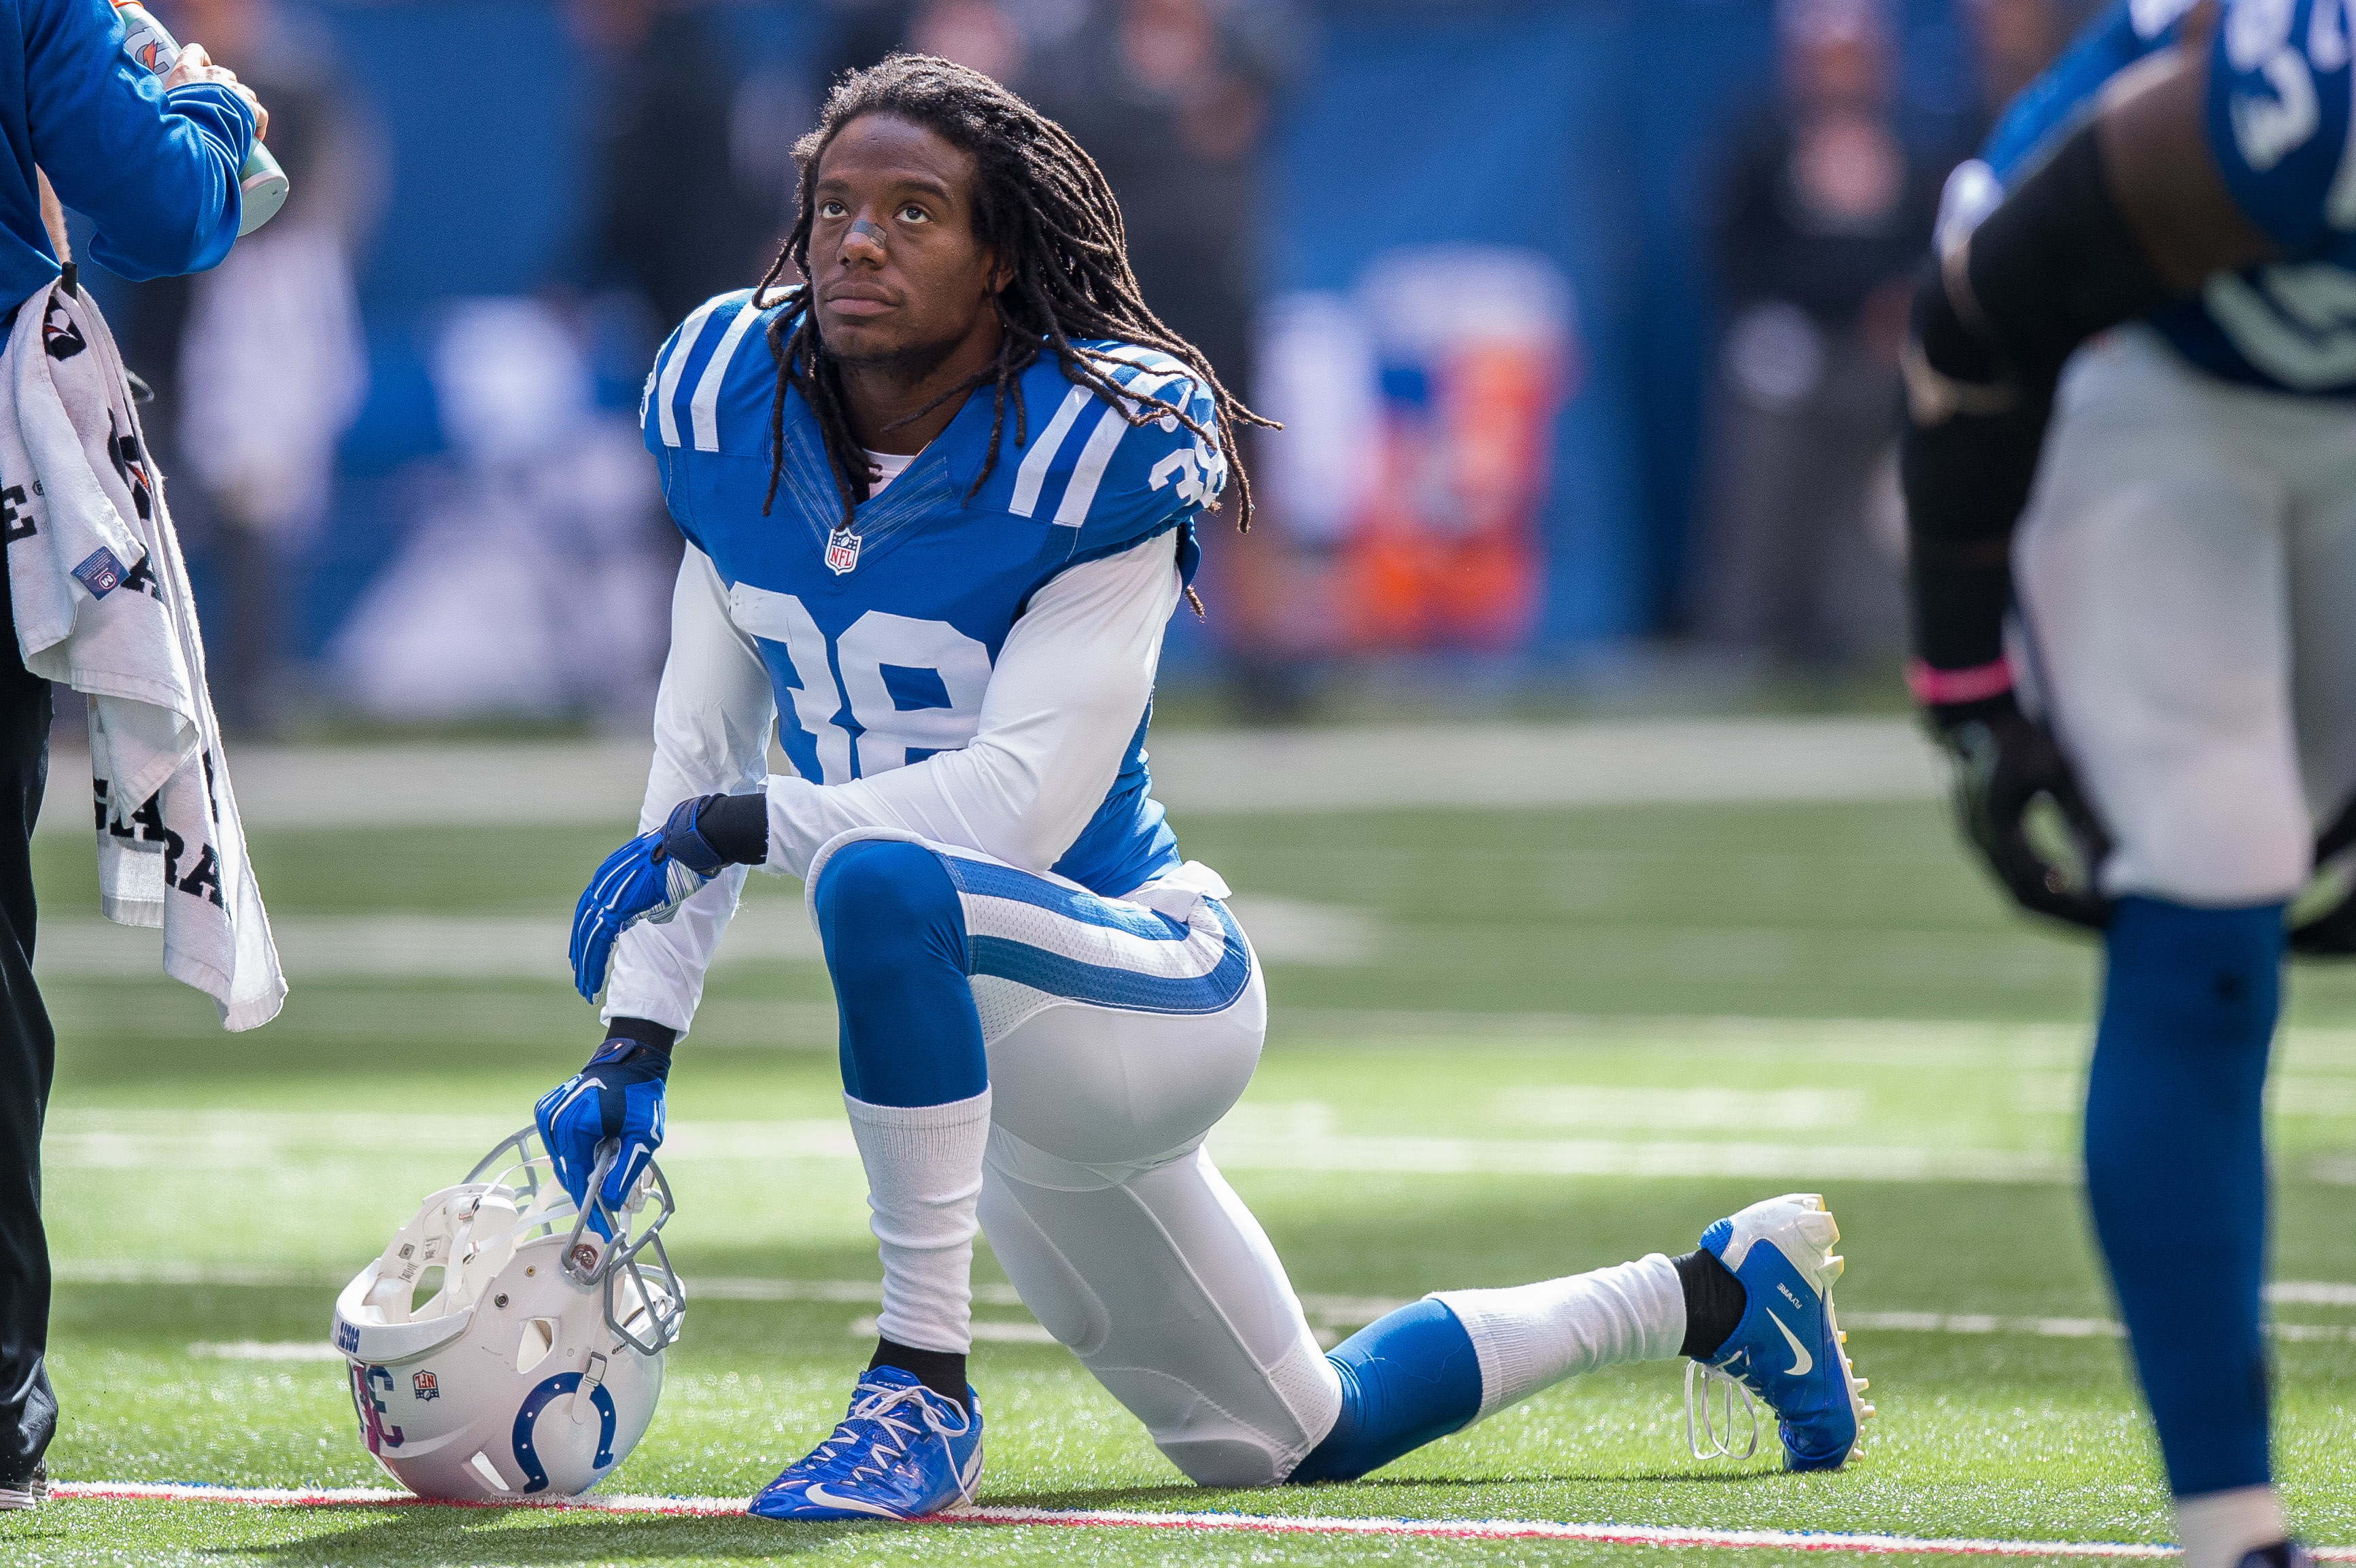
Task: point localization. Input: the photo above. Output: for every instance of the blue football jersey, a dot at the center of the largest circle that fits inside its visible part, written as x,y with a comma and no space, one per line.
880,637
2278,125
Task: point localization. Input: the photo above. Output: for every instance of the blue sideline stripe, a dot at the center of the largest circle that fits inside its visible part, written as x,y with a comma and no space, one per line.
986,881
1107,987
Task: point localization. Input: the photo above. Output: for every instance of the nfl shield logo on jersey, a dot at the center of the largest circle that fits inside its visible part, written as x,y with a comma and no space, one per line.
841,551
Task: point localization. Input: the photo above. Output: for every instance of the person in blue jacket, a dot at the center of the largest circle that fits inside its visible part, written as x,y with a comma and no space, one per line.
152,162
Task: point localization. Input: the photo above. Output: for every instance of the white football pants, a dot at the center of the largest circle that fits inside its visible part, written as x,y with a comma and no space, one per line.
2187,574
1115,1043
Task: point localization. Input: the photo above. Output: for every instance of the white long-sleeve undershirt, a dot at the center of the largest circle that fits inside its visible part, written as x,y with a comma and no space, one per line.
1063,702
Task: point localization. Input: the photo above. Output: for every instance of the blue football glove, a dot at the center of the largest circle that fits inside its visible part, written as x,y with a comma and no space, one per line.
646,879
618,1097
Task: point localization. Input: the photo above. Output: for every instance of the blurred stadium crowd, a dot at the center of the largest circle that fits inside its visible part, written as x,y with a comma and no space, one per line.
1583,317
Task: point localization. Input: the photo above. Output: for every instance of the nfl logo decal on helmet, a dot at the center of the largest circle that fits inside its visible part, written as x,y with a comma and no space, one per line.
546,1339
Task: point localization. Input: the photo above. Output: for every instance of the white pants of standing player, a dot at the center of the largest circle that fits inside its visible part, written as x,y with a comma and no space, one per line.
2187,572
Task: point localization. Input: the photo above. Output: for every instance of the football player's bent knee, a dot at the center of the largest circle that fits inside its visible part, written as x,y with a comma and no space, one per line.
885,909
896,947
876,897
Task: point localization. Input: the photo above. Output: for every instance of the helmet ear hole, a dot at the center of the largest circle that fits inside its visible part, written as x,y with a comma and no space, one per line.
427,1291
539,1338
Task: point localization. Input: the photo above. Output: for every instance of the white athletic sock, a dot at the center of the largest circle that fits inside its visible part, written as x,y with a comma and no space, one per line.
1528,1338
923,1178
2216,1529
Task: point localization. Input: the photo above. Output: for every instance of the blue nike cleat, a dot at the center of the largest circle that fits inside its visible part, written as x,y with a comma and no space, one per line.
1787,1349
901,1453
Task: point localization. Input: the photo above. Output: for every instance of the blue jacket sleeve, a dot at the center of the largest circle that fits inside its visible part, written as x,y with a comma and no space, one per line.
155,172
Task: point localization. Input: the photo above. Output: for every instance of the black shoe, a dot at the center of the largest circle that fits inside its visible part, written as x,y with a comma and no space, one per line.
2281,1554
28,1492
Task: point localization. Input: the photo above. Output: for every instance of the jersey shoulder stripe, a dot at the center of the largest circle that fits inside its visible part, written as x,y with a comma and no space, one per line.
1090,466
2064,94
704,412
1088,472
670,364
687,390
1033,474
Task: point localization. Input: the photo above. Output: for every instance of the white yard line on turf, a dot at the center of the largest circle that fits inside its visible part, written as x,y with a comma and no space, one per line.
1324,1309
1241,1523
524,947
1196,772
181,1141
265,1351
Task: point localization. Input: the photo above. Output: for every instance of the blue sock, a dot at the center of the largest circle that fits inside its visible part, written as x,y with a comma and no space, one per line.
894,936
2176,1172
1406,1378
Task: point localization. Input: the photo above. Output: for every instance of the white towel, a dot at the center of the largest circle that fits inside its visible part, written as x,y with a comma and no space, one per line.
102,604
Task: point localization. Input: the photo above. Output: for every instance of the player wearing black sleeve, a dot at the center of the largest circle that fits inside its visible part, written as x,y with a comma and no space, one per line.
2165,570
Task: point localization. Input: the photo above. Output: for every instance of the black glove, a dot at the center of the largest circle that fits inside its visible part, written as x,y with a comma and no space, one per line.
2332,933
2003,761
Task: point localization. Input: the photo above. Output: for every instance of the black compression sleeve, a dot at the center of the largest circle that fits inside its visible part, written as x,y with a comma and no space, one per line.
2053,267
646,1031
2057,264
737,827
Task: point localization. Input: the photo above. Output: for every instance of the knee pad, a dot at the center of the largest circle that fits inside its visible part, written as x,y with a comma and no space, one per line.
895,946
2202,977
879,898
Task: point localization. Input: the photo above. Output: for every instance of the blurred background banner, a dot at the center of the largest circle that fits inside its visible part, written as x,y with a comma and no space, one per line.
1582,315
1419,410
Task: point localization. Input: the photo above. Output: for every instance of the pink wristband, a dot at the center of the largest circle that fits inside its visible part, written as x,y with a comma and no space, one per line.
1946,688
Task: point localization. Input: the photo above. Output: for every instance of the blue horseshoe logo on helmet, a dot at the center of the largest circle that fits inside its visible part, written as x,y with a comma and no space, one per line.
535,1472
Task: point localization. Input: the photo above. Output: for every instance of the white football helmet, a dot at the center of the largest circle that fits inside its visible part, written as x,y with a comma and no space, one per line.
502,1348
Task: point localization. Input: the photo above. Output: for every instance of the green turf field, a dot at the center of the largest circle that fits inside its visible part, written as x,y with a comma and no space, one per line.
1524,1043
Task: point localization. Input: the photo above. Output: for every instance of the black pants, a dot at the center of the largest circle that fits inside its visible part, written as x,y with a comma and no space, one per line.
29,1409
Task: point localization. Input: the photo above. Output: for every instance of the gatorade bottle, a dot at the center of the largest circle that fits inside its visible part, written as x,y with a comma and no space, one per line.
263,183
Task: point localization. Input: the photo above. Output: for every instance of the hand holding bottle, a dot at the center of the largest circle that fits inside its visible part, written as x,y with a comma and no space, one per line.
196,65
262,184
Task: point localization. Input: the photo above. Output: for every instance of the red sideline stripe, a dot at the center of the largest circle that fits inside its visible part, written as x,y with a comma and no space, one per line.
1272,1524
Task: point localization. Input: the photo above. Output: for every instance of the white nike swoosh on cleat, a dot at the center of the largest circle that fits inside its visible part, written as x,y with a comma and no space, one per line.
1801,1365
815,1492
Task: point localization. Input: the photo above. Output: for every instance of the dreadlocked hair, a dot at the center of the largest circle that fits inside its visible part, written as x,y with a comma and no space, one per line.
1047,213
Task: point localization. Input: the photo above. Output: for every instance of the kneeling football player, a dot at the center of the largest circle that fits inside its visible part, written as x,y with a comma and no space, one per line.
938,501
